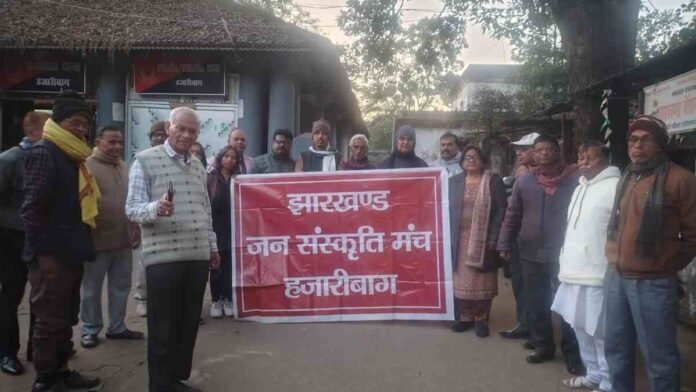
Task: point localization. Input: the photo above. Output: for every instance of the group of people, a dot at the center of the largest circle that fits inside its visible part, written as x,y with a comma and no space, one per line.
600,248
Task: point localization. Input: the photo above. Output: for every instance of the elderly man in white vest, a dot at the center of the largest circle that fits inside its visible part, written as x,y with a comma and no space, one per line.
167,195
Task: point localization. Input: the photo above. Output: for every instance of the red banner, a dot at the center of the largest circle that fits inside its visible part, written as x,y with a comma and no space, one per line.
355,245
160,73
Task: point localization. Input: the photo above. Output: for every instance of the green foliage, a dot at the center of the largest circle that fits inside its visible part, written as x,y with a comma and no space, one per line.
656,30
397,67
492,106
287,10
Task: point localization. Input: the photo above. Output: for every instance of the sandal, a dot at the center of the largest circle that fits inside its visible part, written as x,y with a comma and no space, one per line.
580,383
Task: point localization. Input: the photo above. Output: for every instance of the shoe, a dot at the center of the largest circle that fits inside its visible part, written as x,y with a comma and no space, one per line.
201,321
39,386
74,380
141,309
11,365
575,367
482,330
462,326
89,341
528,346
180,386
126,335
580,383
540,357
518,332
227,308
216,309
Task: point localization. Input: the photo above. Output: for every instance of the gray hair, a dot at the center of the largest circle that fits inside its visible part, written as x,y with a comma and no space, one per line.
183,109
359,136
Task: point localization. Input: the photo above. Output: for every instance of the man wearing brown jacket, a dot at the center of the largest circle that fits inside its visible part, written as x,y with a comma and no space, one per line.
651,236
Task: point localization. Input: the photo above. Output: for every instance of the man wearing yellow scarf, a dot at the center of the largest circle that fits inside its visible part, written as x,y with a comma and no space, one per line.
59,211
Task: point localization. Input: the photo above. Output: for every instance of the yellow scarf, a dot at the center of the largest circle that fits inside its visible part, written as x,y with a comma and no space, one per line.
77,150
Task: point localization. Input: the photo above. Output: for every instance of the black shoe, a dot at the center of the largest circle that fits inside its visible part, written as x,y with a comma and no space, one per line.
40,386
516,333
180,386
89,341
126,335
11,365
540,357
462,326
482,330
74,380
575,367
529,346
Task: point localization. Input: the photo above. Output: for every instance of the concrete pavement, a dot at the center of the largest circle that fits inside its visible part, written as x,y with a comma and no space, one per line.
345,357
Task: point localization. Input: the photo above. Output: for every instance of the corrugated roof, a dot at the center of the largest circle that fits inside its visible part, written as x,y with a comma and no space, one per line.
140,24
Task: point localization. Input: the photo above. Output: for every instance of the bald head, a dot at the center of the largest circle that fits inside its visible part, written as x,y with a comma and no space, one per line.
33,124
237,139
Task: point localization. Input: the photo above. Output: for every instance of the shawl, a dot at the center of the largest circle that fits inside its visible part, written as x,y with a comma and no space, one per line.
78,151
550,176
478,235
649,232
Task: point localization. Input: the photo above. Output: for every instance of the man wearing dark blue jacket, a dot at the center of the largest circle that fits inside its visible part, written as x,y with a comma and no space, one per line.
536,219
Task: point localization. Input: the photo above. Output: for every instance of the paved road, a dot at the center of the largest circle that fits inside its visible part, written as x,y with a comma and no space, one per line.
342,357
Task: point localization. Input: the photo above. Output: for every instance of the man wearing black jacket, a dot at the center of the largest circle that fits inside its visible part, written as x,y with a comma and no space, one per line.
58,212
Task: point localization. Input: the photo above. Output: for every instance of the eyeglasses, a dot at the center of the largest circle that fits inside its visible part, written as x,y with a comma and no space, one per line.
648,139
472,158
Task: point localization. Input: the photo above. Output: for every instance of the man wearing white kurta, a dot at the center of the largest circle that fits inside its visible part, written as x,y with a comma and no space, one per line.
583,263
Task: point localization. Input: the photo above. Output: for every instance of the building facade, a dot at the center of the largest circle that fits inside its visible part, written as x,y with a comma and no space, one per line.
500,77
136,60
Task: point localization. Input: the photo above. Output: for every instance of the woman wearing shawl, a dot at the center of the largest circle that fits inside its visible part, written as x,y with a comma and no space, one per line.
227,163
403,156
477,207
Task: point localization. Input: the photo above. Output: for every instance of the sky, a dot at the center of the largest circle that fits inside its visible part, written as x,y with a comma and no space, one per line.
483,49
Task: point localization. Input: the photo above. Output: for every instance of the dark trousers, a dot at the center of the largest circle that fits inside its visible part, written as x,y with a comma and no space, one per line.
55,302
541,282
13,279
174,301
643,311
518,288
221,278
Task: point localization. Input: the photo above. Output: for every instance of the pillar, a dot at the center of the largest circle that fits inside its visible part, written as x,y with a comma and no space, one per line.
111,95
253,89
282,104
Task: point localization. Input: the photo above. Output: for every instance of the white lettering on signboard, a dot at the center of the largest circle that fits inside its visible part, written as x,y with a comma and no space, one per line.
340,284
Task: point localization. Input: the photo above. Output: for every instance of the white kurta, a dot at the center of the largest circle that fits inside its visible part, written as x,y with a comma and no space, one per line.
581,306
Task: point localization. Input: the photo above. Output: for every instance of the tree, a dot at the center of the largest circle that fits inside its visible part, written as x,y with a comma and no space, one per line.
287,10
655,31
597,37
491,107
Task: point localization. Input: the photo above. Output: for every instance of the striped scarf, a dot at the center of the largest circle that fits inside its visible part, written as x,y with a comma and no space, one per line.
648,241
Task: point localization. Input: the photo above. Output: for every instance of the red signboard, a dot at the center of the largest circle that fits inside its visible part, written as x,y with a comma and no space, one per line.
162,73
42,72
355,245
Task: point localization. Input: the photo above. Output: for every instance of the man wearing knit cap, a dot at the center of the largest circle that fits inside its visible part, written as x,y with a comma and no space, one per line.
651,236
167,195
59,211
403,156
320,157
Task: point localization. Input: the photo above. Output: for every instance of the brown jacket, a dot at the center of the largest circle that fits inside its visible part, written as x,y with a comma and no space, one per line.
678,245
113,228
